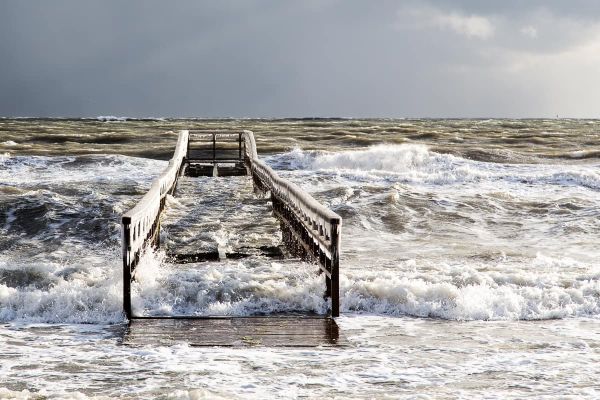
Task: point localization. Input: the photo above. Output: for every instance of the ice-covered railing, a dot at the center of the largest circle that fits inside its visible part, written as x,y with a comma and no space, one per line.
309,229
141,224
312,226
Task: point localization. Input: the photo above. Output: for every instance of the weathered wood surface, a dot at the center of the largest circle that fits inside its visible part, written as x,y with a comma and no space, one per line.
205,169
273,252
273,331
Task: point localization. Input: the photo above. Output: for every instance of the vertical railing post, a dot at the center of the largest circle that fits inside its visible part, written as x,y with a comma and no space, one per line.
240,146
187,151
327,265
335,268
214,148
126,268
156,232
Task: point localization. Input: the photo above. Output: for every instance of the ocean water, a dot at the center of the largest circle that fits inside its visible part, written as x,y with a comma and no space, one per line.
470,260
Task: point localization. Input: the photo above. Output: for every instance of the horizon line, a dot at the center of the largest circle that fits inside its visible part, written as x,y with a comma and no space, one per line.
113,118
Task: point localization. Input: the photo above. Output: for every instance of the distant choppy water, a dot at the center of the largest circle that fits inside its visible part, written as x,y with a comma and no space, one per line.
470,261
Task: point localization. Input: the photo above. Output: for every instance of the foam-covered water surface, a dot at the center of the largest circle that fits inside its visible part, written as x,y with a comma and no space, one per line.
438,235
469,260
391,358
61,235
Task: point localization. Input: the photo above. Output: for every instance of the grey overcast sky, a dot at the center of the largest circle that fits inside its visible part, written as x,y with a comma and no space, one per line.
277,58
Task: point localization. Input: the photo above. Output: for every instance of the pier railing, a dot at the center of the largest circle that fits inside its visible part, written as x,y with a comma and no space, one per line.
215,154
141,224
215,147
312,229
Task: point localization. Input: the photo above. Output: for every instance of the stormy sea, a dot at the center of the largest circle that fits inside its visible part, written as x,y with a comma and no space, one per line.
470,260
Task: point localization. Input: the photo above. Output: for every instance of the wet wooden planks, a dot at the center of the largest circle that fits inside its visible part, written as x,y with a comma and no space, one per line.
285,331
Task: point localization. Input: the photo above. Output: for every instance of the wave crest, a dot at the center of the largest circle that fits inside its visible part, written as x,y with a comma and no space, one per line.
412,163
391,158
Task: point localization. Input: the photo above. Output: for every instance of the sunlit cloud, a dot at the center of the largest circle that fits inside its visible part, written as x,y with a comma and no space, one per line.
469,25
529,31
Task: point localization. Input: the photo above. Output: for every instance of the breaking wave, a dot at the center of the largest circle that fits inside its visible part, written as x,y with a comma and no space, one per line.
464,293
111,118
60,235
68,291
453,293
60,242
412,163
91,293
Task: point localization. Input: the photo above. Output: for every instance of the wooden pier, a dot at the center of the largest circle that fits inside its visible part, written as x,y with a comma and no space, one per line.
289,331
309,230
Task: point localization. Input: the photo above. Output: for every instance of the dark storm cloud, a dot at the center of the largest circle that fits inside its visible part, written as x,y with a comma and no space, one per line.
288,58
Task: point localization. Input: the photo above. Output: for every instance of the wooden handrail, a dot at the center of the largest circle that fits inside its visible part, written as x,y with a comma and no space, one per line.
141,224
311,223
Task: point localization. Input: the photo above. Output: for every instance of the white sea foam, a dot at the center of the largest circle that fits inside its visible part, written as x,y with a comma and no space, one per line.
416,164
396,158
57,293
467,199
88,292
226,288
406,356
379,158
9,143
460,292
111,118
61,225
28,170
497,296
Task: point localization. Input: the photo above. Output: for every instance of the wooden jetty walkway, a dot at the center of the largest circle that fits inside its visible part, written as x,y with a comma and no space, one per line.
309,231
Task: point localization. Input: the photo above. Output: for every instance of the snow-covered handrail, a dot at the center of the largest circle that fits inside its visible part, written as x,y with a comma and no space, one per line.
319,228
141,223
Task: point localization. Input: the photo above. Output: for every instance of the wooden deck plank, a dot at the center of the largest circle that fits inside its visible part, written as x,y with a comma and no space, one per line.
294,331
